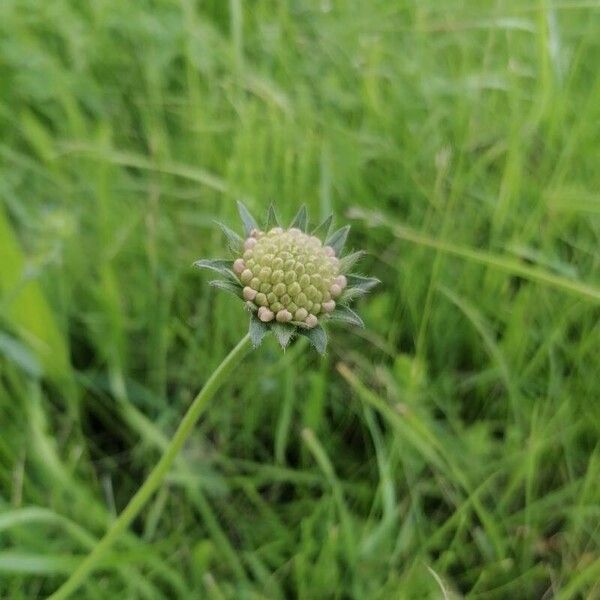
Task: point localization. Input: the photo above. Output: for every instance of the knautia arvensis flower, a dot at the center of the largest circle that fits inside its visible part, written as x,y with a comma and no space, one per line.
293,280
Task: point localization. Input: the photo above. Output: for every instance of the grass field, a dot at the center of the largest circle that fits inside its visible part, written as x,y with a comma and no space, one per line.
449,450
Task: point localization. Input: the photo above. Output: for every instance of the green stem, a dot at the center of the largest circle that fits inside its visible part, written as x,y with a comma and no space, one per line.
157,475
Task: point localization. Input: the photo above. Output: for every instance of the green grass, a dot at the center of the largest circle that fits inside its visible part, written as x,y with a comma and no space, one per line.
449,450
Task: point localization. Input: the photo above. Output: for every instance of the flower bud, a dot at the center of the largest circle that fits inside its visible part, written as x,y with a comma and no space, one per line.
277,276
250,243
311,321
301,314
261,299
280,289
294,289
284,316
341,281
329,306
239,266
265,315
335,290
249,293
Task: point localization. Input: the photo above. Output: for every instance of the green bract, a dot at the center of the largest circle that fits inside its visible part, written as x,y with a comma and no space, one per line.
291,280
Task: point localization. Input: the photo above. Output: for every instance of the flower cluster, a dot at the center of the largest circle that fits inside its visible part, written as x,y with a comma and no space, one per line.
291,280
290,276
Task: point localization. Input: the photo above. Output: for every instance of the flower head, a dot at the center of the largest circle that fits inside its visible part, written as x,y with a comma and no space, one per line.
292,281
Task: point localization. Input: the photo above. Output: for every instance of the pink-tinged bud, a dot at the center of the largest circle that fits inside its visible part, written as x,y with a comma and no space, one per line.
284,316
329,251
249,293
255,233
311,321
265,315
250,243
328,306
335,290
301,314
239,266
341,281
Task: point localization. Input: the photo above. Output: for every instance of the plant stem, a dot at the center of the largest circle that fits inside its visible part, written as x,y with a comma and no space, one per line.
157,475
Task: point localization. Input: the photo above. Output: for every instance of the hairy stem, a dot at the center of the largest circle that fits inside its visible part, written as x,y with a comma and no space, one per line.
157,475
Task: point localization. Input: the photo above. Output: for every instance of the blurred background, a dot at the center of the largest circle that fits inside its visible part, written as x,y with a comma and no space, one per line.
450,450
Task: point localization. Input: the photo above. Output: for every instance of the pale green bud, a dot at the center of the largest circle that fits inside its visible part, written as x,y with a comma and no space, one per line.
277,276
301,314
280,289
261,299
284,316
301,299
294,289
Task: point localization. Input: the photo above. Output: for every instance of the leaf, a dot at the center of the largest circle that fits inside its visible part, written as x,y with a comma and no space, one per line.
228,286
346,315
364,283
347,262
322,230
284,333
257,331
272,220
338,239
301,219
235,241
317,337
247,219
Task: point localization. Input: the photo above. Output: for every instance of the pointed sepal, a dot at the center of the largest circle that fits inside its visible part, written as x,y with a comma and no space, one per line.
228,286
348,261
364,283
257,331
301,219
322,230
272,220
247,219
346,315
338,238
283,333
219,265
233,239
317,337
